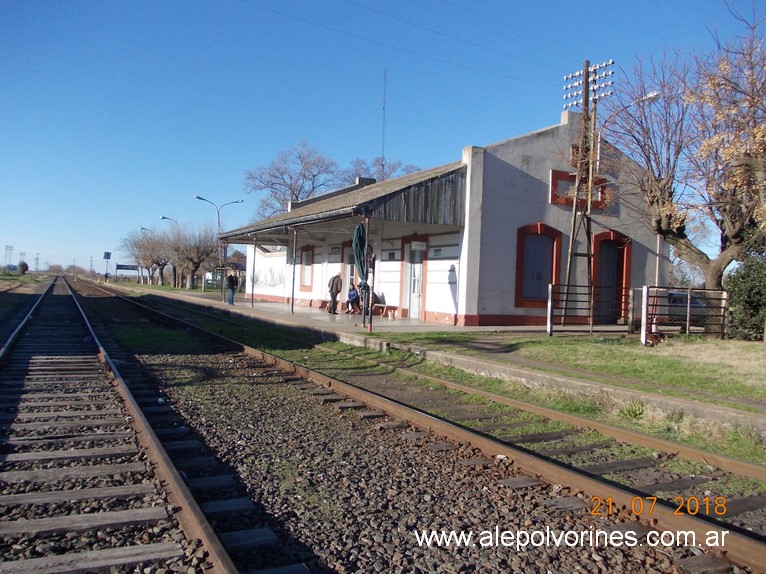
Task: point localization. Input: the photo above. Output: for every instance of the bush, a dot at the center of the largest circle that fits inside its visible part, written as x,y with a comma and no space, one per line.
747,291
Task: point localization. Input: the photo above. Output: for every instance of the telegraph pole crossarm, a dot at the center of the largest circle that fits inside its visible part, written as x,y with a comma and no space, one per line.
582,201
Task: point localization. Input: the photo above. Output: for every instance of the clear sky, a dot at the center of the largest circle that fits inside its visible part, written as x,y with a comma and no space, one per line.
116,112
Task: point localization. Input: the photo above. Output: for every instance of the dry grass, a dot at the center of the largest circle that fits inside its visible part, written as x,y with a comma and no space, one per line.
746,360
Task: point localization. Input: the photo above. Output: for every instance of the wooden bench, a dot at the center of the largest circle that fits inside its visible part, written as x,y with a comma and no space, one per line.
382,306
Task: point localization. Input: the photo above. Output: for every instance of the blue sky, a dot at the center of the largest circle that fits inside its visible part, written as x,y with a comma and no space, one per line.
116,112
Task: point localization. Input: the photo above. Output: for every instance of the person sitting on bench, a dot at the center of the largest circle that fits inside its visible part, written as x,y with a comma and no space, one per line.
352,302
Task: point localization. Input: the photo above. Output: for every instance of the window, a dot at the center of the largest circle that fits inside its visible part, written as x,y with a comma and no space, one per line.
538,260
307,267
562,190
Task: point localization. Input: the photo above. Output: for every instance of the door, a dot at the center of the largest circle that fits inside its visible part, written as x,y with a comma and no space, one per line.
538,267
414,264
607,300
349,271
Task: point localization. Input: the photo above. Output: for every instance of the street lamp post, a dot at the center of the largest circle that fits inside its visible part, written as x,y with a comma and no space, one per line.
650,97
218,235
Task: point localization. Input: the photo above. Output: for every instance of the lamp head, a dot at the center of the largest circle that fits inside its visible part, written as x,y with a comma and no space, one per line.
651,96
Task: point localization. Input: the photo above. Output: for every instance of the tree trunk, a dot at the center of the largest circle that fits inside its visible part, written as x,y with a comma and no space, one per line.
712,269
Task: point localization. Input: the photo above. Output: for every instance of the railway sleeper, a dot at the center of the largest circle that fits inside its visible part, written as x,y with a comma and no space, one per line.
50,475
125,491
31,402
71,454
47,427
49,438
197,464
212,483
58,414
163,418
179,446
243,541
125,556
291,569
172,432
620,465
241,504
81,522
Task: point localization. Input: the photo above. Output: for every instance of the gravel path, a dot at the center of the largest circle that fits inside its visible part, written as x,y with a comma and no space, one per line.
347,497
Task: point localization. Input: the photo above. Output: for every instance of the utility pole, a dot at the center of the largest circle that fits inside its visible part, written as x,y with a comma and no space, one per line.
383,131
590,90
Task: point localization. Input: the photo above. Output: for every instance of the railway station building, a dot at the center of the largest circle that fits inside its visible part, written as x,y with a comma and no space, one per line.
475,242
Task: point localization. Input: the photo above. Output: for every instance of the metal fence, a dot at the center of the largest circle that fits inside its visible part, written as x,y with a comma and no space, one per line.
588,308
670,309
651,310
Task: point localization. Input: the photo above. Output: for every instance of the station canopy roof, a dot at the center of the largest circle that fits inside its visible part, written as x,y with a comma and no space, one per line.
432,199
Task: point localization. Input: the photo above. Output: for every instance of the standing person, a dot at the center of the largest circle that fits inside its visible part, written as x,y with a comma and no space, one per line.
335,285
231,283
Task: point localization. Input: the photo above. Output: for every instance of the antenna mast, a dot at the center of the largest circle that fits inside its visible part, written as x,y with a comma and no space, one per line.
383,137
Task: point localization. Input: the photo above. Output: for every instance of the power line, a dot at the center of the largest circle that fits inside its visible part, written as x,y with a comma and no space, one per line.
519,79
534,34
444,34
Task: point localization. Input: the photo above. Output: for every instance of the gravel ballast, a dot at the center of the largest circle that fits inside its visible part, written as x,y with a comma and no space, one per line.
345,496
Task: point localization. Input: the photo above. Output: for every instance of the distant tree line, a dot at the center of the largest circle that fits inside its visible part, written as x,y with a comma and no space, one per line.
186,252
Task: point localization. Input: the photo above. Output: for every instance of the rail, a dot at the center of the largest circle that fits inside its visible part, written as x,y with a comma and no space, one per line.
8,345
189,515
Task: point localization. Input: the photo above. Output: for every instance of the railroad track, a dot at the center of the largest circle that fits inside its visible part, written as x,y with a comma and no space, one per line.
85,484
59,409
636,479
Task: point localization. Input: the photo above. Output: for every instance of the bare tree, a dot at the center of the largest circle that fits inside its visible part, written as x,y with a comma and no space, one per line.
150,250
237,256
296,174
134,245
379,169
176,240
197,248
698,150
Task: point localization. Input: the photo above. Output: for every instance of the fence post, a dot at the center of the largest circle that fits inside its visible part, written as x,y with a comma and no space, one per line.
631,303
688,310
644,313
724,312
549,319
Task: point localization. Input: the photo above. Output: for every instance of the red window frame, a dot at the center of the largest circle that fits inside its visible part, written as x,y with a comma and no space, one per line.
558,176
